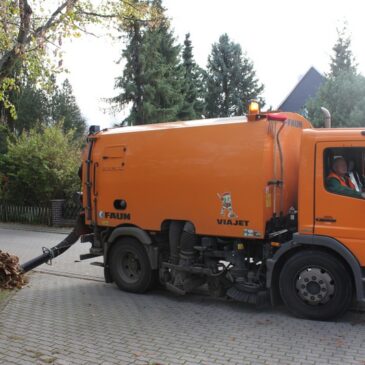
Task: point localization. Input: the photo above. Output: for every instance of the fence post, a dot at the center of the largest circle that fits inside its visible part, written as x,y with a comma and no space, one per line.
56,206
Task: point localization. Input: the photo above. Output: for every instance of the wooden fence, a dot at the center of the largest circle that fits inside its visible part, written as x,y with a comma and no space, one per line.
25,214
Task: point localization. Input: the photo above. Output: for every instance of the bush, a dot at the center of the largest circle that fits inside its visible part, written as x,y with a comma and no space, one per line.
41,165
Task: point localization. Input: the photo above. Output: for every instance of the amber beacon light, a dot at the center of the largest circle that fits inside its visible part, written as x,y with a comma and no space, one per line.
253,109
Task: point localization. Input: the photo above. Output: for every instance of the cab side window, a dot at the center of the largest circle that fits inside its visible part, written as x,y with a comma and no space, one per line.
344,171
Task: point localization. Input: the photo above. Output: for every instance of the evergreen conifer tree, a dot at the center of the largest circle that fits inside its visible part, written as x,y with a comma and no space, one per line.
37,107
344,97
63,107
343,92
163,74
131,81
231,80
343,59
193,84
152,77
32,106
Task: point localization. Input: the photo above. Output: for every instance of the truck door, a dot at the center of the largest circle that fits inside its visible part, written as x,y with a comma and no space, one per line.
340,213
108,188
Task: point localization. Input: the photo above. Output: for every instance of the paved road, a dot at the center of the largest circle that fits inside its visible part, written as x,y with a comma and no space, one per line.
78,319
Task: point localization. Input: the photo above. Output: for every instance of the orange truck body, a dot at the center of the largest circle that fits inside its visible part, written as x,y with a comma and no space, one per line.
253,186
181,170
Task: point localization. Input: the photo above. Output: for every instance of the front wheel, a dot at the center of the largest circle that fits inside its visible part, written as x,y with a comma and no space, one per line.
315,285
129,266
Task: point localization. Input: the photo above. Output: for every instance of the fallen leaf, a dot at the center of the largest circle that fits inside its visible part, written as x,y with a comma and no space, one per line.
11,275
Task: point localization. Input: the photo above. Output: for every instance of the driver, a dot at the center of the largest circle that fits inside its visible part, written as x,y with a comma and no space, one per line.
338,181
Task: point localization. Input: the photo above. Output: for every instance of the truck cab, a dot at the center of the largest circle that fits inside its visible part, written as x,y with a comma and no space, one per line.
331,229
329,213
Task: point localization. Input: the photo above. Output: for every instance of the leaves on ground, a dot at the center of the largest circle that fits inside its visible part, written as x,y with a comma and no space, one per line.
11,275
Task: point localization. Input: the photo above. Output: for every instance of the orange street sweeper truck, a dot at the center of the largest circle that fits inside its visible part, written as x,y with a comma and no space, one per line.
240,205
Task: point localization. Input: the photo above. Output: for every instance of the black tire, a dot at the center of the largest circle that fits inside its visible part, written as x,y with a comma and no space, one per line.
130,267
315,285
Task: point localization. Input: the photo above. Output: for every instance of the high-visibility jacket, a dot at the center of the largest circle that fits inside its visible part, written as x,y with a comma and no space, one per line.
344,181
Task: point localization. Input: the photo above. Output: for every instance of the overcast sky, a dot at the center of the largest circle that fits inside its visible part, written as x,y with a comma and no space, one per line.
283,38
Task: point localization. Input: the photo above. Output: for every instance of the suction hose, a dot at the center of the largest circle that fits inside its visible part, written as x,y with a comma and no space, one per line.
49,254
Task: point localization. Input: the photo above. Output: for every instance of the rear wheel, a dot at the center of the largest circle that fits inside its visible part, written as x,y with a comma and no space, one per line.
315,285
129,266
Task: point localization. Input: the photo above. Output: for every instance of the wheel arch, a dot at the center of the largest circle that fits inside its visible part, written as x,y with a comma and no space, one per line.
305,242
165,224
131,231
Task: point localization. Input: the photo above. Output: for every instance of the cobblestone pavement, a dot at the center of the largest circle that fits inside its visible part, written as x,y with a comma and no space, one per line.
81,320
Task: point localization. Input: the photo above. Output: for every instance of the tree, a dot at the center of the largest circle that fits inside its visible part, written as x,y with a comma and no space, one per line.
40,165
29,32
343,92
162,75
5,134
231,80
152,77
36,107
131,82
344,97
32,105
64,109
343,59
193,84
26,31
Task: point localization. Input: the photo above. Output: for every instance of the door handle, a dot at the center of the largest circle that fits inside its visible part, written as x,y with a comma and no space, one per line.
326,219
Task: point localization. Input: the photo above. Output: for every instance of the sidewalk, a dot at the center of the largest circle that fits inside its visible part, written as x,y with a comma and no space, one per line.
35,228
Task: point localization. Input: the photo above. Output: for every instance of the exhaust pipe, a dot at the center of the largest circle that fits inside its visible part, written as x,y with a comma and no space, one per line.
327,117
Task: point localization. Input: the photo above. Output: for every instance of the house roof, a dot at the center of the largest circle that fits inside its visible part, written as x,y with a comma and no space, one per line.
306,88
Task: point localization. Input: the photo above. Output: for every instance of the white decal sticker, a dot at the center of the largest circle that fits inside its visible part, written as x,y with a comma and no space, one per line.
226,205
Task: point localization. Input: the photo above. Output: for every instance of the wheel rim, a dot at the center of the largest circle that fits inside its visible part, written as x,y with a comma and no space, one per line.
130,267
315,285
